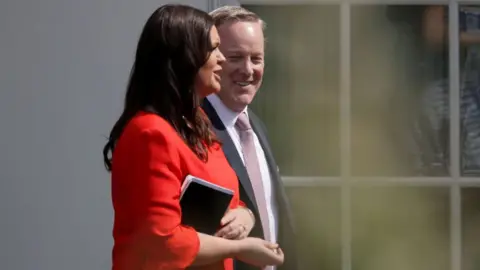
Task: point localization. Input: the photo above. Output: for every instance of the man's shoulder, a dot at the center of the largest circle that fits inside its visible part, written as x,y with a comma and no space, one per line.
212,114
210,110
256,120
253,115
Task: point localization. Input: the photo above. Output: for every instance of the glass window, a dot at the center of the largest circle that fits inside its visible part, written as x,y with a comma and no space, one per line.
400,228
299,98
470,89
317,213
400,128
470,228
399,91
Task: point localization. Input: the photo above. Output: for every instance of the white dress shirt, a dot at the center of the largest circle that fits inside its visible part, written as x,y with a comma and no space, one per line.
229,118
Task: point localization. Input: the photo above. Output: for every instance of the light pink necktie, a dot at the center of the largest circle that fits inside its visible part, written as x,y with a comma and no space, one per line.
253,169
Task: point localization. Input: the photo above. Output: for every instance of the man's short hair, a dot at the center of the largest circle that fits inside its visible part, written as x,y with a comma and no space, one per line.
227,14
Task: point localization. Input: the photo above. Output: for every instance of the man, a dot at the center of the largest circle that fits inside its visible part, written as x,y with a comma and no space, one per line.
243,135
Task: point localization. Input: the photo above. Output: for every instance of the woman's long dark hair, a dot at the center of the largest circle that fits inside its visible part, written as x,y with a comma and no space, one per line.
174,44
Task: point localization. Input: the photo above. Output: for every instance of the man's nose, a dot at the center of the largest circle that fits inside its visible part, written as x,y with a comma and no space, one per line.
247,67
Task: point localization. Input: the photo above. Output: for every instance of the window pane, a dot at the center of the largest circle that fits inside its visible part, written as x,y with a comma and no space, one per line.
400,228
471,228
399,90
317,213
470,89
299,97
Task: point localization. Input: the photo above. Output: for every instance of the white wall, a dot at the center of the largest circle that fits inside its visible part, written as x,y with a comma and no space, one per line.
63,69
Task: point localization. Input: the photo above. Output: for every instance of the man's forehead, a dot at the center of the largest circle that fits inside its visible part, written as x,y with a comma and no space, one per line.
241,28
240,48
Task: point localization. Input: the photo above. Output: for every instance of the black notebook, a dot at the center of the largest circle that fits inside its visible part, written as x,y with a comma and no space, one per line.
203,204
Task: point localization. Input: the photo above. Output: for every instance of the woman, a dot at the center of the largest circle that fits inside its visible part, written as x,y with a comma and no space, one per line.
161,137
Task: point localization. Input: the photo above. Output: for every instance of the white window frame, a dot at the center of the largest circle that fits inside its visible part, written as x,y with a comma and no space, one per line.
346,181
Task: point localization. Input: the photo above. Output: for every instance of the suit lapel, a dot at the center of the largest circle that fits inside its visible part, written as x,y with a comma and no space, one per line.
266,147
230,150
281,195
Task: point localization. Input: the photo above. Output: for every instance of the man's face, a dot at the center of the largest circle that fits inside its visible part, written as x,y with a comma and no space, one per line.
243,47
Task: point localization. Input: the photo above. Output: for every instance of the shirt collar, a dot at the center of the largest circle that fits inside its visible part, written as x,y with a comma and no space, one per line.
228,117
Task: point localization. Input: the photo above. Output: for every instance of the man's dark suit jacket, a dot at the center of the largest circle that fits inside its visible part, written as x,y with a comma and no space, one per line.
286,235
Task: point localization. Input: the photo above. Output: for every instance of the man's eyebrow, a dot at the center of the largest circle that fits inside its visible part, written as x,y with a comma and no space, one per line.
240,51
236,50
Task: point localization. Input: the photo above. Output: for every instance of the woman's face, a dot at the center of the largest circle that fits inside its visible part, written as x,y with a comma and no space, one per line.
208,77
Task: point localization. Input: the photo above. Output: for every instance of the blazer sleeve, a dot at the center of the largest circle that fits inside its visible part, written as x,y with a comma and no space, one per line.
168,244
241,203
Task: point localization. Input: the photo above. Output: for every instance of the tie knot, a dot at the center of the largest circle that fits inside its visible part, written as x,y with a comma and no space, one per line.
243,123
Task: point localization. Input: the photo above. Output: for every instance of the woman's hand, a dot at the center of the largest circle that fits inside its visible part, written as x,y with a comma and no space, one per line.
258,252
236,224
